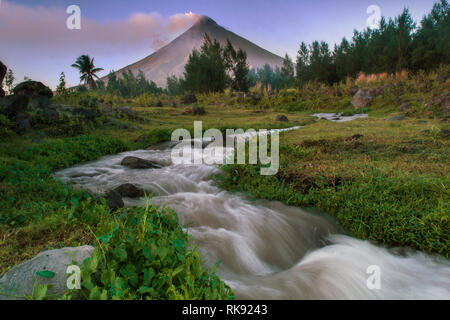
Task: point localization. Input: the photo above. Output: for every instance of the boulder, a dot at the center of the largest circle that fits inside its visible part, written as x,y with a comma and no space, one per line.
189,99
33,88
22,279
361,100
282,118
114,200
39,102
129,190
3,70
138,163
13,105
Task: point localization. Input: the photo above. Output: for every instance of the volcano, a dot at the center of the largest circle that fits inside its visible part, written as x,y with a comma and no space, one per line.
171,59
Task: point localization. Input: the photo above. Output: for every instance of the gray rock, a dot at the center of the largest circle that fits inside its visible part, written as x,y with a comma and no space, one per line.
138,163
33,88
13,105
114,200
396,118
361,100
282,118
22,279
129,190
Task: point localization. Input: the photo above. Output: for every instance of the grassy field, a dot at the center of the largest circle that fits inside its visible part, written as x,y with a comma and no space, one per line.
385,181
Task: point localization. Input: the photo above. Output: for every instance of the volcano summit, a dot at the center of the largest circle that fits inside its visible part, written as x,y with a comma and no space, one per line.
171,59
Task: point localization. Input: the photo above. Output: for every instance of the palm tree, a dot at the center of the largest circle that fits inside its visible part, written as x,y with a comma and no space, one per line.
87,69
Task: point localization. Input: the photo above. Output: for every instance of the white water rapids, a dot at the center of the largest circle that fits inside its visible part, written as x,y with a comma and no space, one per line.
268,250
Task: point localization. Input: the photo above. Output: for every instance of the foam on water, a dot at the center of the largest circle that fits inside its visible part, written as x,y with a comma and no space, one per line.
268,250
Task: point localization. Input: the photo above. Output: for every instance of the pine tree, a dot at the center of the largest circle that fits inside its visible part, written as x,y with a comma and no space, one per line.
287,71
174,86
302,67
236,63
206,71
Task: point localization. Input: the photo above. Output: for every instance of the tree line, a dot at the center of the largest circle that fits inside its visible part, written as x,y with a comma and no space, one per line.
395,45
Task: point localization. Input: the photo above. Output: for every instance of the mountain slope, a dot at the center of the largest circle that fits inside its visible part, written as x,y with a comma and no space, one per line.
171,59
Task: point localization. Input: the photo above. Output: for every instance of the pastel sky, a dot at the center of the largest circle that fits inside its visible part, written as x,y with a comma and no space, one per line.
35,42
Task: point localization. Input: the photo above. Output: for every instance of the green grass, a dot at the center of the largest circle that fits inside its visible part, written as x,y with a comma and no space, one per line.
391,186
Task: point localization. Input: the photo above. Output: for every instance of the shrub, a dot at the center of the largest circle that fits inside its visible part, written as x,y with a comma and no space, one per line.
145,256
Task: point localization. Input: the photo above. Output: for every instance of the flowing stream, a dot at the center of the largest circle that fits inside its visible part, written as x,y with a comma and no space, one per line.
268,250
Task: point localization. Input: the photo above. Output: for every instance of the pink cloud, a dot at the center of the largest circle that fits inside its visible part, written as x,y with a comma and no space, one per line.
45,28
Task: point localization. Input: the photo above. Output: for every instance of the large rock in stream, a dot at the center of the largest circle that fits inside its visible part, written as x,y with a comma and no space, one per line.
138,163
129,190
114,200
21,280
